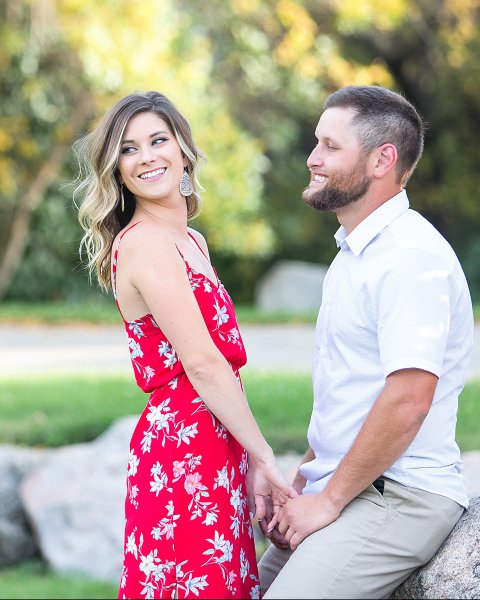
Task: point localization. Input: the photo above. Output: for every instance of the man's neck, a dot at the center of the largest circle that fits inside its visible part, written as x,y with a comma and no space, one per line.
352,215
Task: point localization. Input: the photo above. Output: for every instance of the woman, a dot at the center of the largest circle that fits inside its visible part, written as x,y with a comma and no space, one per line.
188,522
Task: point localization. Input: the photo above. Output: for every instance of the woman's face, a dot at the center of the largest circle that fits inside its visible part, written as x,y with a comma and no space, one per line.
150,162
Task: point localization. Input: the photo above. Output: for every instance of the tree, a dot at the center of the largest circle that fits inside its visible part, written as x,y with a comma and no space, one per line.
39,83
65,63
276,60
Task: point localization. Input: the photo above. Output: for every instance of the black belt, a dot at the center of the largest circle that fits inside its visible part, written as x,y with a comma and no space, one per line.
379,484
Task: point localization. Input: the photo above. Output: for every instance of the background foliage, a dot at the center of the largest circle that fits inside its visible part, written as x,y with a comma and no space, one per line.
251,77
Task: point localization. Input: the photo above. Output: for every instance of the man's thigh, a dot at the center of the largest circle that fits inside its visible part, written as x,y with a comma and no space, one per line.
373,546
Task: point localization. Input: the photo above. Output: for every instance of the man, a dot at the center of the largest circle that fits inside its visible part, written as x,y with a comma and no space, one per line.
381,485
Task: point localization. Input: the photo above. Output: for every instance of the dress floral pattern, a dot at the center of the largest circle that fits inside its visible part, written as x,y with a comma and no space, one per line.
188,531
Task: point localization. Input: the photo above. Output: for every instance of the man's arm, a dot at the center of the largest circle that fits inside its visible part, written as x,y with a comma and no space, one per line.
389,429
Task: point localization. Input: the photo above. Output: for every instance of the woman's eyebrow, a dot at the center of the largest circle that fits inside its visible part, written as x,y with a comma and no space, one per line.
151,136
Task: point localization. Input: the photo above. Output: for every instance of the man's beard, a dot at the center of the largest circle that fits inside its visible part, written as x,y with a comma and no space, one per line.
342,188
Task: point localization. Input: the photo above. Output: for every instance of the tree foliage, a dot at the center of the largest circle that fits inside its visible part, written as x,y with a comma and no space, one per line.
251,77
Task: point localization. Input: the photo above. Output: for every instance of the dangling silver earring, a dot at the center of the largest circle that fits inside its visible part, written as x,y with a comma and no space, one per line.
186,188
122,198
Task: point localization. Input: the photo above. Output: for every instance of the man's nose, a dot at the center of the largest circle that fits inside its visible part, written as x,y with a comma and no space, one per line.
315,158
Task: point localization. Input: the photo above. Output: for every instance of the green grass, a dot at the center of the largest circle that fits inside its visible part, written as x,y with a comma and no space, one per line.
55,411
104,311
33,579
468,424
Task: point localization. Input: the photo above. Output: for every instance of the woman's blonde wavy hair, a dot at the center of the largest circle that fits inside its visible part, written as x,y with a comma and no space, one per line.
100,213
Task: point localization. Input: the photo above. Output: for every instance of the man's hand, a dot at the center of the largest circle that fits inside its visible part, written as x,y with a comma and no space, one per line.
305,514
273,535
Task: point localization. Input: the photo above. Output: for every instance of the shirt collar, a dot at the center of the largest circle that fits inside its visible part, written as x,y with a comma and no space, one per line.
370,227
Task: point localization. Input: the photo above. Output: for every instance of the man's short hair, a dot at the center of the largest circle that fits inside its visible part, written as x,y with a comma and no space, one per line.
382,117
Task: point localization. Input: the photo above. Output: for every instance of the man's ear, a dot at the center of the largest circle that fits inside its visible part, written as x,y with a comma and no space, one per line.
386,157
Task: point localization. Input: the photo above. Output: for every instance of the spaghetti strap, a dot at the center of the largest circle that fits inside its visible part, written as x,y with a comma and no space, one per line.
198,245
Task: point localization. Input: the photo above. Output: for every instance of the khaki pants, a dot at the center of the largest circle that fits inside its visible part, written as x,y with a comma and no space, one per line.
375,544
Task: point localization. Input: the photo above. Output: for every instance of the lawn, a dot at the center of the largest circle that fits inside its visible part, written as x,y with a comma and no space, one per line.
104,311
54,411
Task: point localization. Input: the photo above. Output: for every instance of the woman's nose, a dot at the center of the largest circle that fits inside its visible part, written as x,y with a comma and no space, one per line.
147,154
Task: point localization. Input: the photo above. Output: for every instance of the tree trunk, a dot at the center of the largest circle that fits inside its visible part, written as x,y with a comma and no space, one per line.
29,202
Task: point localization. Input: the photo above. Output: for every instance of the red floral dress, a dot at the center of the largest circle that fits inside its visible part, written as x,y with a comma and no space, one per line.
188,531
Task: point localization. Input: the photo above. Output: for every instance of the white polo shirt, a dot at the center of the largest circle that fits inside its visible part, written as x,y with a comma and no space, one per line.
395,297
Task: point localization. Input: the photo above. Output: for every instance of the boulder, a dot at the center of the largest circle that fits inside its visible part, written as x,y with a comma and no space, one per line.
16,540
454,571
75,504
291,285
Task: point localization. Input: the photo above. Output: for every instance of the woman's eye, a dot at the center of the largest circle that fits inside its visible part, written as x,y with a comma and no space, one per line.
159,140
127,150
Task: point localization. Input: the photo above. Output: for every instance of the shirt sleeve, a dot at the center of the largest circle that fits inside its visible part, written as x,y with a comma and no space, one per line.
413,299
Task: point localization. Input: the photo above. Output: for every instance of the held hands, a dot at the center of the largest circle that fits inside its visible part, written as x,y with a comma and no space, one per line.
268,490
298,518
303,515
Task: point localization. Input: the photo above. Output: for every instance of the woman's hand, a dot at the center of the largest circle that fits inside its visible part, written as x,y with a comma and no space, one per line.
267,489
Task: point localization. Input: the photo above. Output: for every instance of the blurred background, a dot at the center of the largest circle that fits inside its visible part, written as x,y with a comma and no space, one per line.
251,77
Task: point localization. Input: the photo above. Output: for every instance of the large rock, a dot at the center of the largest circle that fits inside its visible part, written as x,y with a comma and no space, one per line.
291,285
454,571
76,504
16,540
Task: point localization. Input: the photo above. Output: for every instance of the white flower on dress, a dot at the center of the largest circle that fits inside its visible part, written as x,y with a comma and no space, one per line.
193,584
207,286
147,563
170,359
236,498
244,565
163,348
149,373
243,468
160,479
235,527
255,592
135,349
234,336
222,479
133,463
185,433
210,518
131,545
136,328
221,317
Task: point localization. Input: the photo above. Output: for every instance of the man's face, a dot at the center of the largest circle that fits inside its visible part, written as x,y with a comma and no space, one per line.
338,168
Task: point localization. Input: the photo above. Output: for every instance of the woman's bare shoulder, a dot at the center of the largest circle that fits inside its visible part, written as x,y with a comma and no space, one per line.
200,239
